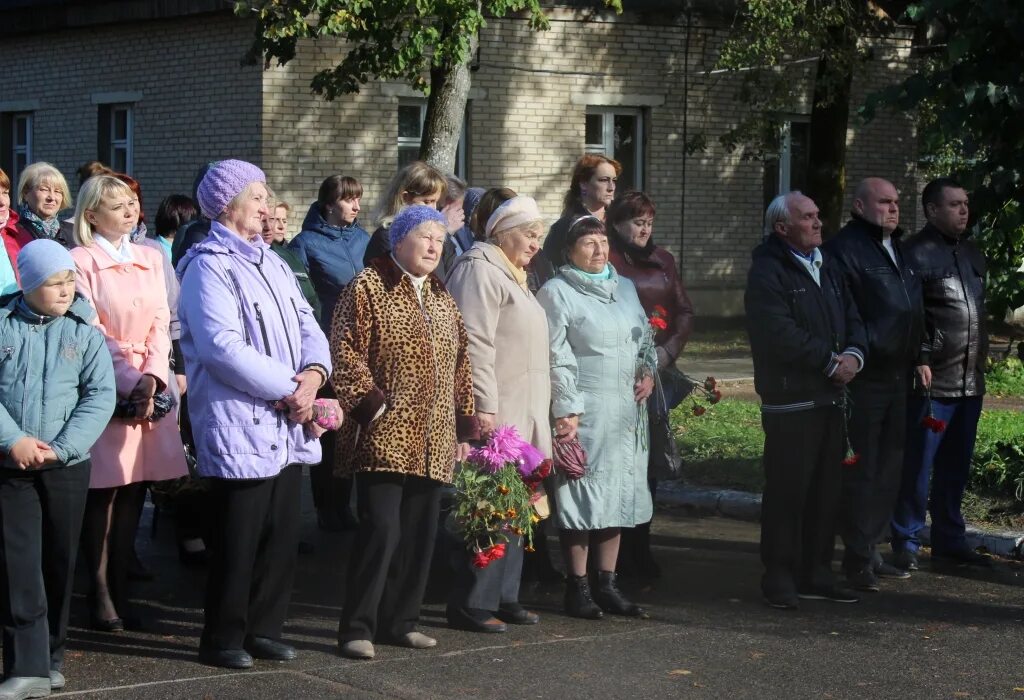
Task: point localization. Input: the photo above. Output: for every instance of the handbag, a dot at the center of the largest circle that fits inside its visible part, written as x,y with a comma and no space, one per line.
570,458
664,461
675,385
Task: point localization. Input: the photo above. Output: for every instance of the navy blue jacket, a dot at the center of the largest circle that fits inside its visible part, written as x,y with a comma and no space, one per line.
332,255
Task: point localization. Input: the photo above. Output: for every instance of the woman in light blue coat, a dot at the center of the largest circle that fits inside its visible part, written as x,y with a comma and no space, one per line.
602,364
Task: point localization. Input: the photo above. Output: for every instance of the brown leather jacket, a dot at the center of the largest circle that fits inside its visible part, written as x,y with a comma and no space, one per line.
654,274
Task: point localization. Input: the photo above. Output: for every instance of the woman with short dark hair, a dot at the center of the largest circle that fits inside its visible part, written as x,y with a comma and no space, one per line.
654,273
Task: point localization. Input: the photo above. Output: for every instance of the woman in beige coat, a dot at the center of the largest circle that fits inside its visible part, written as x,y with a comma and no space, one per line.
508,351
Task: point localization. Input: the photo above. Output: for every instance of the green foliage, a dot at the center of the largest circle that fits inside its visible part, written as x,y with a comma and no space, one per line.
769,44
491,507
389,39
998,464
731,429
1005,378
969,91
724,447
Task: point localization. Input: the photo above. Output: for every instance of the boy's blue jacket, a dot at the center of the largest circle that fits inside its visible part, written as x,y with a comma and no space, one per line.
56,379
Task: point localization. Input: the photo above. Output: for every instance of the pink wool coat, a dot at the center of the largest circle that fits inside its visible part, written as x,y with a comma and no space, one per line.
132,312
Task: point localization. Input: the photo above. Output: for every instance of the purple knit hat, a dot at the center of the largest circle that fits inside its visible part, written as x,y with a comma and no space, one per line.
411,217
224,181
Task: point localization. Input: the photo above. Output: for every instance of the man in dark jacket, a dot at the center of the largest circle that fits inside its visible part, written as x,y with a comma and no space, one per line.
950,380
808,342
869,251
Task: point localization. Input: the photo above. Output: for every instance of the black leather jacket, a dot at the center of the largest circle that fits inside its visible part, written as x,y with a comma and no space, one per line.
888,297
795,326
952,273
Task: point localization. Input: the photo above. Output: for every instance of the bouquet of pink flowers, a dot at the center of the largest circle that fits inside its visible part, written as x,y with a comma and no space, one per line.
496,488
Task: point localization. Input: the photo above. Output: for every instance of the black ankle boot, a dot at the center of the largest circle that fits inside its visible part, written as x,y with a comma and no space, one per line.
578,602
647,567
610,598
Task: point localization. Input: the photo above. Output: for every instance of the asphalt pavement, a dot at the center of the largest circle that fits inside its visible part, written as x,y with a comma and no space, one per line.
945,633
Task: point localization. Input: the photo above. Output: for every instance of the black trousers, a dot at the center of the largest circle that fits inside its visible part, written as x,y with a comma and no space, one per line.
391,562
40,523
878,428
803,455
253,548
330,493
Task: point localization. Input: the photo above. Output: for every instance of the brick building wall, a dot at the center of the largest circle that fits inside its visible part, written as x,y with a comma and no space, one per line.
192,101
526,119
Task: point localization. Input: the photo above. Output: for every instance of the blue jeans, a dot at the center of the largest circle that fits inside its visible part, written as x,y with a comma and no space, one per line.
946,458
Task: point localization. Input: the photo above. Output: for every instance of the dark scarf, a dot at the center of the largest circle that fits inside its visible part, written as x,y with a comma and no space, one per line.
50,228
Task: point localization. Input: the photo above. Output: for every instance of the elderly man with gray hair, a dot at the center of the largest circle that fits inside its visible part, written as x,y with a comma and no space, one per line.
808,342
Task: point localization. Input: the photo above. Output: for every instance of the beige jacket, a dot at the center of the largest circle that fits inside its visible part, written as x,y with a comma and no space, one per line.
508,343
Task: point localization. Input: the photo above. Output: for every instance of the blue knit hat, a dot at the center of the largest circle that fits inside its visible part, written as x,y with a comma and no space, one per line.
411,217
225,180
39,260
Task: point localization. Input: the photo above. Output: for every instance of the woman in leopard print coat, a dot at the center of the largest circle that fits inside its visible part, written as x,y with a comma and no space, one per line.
402,375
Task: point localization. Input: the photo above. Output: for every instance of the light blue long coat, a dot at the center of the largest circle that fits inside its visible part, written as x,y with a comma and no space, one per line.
597,330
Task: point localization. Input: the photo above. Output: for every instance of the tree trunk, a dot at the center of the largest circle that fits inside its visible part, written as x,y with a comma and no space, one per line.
449,91
830,115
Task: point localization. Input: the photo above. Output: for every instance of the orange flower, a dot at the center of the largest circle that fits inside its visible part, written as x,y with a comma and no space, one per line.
502,489
510,513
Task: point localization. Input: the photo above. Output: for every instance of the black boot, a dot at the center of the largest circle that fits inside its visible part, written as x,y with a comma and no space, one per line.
578,602
647,567
610,598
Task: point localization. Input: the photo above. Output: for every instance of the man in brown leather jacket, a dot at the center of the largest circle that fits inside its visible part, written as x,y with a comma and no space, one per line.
943,413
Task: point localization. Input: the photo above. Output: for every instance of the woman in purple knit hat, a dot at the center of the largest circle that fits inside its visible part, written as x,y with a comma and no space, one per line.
255,358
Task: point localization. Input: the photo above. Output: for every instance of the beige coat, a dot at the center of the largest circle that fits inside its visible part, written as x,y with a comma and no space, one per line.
508,343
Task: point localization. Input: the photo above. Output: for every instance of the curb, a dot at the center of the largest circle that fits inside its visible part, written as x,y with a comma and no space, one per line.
743,505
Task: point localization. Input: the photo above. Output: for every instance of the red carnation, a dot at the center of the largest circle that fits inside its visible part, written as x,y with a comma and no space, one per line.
710,384
715,397
481,560
658,323
496,551
660,310
699,410
544,470
936,425
851,459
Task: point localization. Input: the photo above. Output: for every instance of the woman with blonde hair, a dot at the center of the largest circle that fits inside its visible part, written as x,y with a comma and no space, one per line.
416,183
125,284
42,194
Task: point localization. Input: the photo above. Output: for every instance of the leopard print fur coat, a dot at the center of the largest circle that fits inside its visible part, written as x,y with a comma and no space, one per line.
413,361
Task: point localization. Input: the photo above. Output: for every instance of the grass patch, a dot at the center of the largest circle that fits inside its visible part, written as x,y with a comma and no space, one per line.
1005,378
723,449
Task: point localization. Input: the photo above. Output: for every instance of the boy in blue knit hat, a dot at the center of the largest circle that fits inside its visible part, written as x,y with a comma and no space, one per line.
56,396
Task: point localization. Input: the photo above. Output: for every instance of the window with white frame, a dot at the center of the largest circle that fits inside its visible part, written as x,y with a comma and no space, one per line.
786,170
412,114
116,135
618,132
16,142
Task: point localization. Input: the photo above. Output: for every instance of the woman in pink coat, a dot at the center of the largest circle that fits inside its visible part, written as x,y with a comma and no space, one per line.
125,283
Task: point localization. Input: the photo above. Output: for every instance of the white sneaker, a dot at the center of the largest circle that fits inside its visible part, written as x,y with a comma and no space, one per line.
358,649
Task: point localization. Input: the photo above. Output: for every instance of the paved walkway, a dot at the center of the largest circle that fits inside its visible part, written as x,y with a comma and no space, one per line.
942,634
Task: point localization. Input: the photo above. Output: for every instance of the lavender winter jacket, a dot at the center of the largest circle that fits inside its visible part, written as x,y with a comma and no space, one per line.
246,330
